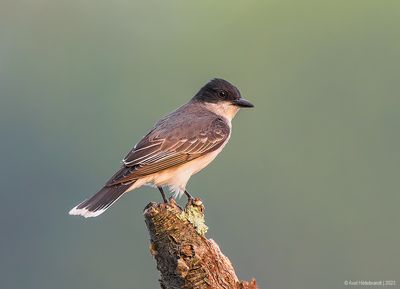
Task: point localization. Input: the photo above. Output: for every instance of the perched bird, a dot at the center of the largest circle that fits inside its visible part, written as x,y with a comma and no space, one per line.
178,146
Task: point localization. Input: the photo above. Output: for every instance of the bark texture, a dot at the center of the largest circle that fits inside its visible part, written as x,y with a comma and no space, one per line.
185,258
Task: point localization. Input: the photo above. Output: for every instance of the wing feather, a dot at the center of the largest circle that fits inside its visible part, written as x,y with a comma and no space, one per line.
166,147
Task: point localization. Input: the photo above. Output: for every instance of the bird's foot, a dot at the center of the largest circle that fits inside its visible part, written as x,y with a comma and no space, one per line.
163,195
189,196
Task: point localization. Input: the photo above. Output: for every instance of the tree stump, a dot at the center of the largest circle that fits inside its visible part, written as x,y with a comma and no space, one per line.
185,258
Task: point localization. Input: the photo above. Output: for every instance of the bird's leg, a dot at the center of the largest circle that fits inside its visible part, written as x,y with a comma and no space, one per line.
162,194
189,196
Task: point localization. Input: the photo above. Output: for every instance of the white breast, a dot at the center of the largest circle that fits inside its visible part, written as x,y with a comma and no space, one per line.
176,178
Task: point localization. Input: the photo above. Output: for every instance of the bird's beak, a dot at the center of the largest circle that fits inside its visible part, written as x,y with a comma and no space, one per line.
241,102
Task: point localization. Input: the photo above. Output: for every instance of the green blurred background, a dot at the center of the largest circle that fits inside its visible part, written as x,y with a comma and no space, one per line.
306,194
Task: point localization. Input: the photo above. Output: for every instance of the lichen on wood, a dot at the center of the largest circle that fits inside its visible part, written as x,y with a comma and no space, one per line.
185,258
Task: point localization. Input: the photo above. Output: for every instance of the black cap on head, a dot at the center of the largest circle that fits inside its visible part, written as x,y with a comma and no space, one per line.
219,90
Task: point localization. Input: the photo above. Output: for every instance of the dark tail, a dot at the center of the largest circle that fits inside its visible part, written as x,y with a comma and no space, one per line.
100,202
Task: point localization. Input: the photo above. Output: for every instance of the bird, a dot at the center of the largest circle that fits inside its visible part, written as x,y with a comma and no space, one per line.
178,146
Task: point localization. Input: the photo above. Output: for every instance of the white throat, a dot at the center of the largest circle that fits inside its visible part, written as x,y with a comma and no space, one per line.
224,109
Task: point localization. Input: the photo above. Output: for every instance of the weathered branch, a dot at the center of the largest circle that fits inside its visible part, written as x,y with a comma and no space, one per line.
184,256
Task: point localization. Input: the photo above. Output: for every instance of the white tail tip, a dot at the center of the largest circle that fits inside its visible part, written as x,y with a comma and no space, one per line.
85,212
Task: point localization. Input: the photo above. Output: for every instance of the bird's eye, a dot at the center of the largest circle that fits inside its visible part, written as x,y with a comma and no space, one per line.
222,93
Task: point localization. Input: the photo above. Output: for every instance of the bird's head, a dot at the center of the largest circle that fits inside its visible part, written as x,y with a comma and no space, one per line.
222,97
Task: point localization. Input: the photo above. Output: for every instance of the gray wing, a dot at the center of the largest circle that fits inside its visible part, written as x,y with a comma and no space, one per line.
169,145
